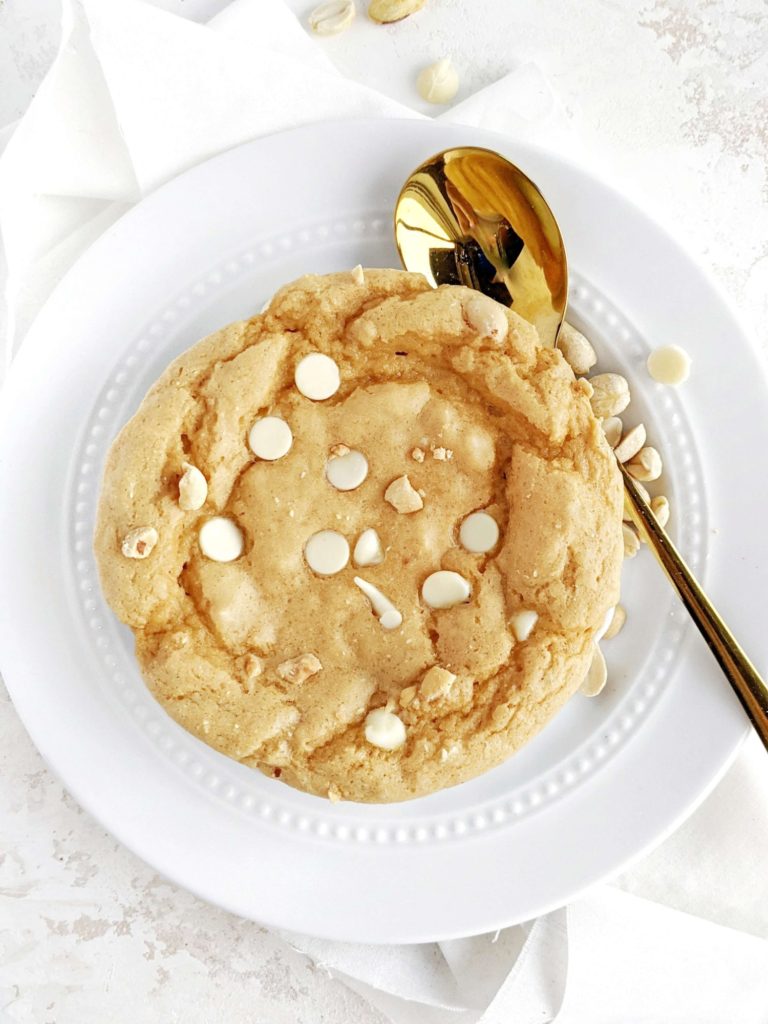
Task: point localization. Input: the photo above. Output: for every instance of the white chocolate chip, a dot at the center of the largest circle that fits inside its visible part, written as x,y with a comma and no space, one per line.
358,274
646,465
270,438
437,682
487,317
523,623
631,541
221,539
326,552
384,729
340,449
577,351
193,488
669,364
368,549
613,428
297,670
442,454
334,794
610,394
617,622
479,533
346,472
317,376
402,497
388,615
139,543
331,18
445,589
597,676
438,82
631,443
660,508
418,454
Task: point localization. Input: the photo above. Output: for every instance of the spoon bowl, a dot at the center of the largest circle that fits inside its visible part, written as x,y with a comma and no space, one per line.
469,216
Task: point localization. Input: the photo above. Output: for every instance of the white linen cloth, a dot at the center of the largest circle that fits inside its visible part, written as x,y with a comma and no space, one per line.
137,95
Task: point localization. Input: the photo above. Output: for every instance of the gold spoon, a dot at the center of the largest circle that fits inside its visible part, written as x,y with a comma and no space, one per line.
468,216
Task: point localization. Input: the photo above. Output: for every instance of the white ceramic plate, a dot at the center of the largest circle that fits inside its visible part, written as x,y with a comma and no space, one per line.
603,782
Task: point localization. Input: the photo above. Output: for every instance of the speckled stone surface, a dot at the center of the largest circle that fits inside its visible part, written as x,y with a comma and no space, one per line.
668,99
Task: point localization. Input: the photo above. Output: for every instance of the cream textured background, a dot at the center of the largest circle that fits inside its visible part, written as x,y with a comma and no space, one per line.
669,99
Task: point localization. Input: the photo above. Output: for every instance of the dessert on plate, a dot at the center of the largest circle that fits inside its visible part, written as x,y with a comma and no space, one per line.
367,539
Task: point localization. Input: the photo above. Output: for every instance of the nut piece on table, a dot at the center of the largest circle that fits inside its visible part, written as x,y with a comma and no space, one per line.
610,394
402,496
646,465
297,670
139,543
386,11
577,351
597,675
332,18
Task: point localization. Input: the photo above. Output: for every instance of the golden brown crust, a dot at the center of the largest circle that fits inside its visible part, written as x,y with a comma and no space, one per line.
525,446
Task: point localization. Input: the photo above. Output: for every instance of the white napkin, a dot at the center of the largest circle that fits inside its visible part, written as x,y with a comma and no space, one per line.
137,95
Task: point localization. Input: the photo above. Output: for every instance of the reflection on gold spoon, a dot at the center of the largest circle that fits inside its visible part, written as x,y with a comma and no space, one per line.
468,216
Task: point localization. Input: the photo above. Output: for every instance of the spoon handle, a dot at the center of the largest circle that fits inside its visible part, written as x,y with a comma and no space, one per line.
751,690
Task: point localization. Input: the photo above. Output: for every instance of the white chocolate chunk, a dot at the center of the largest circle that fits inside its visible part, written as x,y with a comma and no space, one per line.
317,376
326,552
417,454
438,82
384,729
297,670
368,549
346,472
523,624
402,496
442,454
270,438
221,539
193,488
445,589
479,533
437,682
331,18
388,615
139,543
358,274
487,317
597,676
669,364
